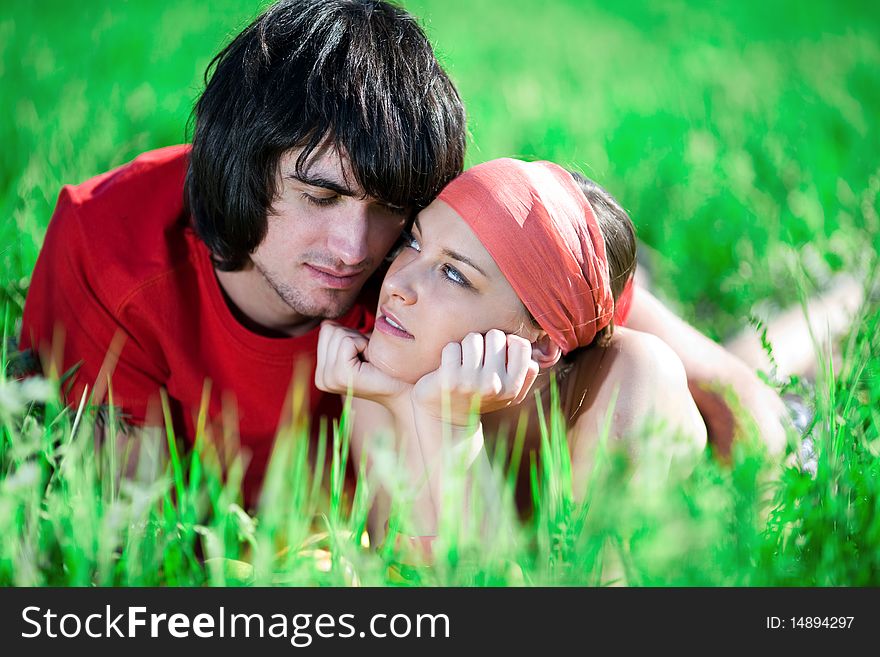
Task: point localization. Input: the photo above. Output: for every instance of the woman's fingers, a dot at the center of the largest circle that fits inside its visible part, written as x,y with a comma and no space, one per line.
522,370
519,353
494,380
338,357
333,362
341,369
496,366
352,344
482,363
472,352
321,365
450,364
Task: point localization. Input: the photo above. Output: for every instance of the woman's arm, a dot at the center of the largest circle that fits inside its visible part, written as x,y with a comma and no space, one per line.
373,437
485,372
433,426
710,369
411,452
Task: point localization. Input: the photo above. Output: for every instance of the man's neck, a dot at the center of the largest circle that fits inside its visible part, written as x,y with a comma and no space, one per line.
258,308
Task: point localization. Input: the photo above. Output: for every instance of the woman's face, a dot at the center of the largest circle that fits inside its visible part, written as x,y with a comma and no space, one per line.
441,286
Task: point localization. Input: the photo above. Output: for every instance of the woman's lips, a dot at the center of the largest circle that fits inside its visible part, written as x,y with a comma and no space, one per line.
333,279
390,325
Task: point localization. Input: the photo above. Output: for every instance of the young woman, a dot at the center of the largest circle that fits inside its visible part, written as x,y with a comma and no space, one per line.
511,277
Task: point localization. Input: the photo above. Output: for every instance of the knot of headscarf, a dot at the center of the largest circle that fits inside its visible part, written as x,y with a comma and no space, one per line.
539,228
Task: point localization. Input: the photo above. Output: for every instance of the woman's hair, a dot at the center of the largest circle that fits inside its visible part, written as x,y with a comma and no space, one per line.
620,246
620,242
357,74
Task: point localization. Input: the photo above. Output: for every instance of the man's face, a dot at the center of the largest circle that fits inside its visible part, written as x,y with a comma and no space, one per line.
324,237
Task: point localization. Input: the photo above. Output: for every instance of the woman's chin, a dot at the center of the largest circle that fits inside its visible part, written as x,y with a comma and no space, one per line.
393,362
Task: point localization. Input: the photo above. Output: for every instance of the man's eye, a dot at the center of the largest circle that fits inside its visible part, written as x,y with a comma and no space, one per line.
320,201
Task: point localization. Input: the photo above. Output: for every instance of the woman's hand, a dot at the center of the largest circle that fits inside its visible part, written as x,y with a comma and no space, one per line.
341,367
481,373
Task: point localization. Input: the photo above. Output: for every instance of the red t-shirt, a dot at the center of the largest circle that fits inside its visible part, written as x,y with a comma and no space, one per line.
124,285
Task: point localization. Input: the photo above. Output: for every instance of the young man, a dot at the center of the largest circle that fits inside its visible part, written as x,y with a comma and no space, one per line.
324,125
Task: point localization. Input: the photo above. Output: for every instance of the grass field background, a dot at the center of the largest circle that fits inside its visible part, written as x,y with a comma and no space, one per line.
743,139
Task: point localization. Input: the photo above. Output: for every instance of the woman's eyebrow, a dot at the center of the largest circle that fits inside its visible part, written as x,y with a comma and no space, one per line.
455,255
462,258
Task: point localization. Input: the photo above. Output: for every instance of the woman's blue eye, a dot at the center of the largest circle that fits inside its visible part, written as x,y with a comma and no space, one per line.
455,276
410,241
450,273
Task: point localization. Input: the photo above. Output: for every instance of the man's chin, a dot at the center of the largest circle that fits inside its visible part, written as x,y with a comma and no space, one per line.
328,308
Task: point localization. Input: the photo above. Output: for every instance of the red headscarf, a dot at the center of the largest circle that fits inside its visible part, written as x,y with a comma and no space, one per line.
539,228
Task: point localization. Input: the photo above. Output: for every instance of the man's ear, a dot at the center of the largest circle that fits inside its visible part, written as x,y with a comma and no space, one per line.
546,352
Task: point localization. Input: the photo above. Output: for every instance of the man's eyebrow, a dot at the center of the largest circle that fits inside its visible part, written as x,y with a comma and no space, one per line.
325,183
449,253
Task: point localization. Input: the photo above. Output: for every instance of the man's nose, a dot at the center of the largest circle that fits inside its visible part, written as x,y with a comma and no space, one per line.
349,234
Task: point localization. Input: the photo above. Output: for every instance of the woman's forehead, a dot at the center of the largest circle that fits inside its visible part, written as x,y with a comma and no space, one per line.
441,228
441,225
440,222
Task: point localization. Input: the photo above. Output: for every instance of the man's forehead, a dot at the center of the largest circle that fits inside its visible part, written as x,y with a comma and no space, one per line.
327,161
329,166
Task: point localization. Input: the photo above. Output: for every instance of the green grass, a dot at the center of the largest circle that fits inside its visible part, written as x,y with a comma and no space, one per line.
740,137
64,520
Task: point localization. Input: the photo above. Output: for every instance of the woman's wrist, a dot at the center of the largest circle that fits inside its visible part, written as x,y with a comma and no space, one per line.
448,412
463,437
396,403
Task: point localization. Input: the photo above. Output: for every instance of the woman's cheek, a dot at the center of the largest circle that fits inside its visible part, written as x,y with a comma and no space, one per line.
455,321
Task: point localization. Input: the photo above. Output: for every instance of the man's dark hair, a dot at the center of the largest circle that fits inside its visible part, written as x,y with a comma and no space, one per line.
357,74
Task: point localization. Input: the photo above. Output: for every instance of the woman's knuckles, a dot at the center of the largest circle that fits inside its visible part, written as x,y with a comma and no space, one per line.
496,335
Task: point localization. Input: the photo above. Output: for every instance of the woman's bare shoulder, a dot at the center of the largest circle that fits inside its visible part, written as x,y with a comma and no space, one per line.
641,377
633,359
643,354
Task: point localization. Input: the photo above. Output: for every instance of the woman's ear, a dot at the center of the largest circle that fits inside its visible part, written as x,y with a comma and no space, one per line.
545,352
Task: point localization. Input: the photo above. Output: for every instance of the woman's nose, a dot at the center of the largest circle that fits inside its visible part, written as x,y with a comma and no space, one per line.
400,282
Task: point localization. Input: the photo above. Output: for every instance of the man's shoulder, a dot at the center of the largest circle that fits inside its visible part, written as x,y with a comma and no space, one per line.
152,180
123,227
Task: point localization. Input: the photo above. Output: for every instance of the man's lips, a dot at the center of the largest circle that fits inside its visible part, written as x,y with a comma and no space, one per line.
334,278
389,324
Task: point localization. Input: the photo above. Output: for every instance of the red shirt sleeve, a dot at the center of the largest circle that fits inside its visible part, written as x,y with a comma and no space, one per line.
75,331
624,303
